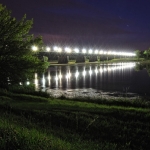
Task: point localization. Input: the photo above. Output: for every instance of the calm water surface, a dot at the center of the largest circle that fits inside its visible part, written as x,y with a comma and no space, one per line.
116,77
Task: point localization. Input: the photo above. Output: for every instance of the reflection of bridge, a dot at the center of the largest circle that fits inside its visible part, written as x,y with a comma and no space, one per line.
59,77
80,56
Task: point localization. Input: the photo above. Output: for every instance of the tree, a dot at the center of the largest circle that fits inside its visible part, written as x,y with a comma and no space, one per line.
147,53
17,61
138,54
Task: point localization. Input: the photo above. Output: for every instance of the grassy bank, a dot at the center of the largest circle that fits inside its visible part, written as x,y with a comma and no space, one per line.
28,121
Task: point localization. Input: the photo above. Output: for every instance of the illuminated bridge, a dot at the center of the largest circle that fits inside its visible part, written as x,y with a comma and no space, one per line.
63,55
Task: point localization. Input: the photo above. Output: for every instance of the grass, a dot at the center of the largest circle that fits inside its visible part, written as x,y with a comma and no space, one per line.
40,122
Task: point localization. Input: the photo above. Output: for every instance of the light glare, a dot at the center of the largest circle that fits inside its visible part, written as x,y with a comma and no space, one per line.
34,48
47,49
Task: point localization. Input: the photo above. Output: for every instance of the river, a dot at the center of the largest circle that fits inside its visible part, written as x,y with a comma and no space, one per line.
94,80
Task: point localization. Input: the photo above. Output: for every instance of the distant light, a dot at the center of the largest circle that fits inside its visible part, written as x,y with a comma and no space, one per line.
104,52
55,48
109,53
96,51
90,51
59,49
130,54
28,82
117,53
124,54
114,53
47,49
83,50
68,50
133,54
101,52
34,48
76,50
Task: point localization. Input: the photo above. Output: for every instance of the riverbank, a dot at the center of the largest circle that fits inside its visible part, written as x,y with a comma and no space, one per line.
89,94
33,120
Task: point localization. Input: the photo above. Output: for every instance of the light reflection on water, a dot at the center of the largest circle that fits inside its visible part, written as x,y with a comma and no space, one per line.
104,77
84,72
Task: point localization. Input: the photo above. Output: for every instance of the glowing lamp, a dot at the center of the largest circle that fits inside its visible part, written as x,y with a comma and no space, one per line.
34,48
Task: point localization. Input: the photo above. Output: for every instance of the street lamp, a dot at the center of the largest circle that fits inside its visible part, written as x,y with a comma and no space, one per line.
34,48
59,49
96,51
68,50
47,49
76,50
101,52
83,50
90,51
55,48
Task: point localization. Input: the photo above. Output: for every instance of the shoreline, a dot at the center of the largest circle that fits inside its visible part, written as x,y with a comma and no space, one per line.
90,94
72,64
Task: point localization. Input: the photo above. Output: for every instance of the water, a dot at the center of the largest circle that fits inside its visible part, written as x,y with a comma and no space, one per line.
94,80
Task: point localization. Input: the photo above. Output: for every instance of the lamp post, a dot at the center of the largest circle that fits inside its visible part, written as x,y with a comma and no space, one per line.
34,48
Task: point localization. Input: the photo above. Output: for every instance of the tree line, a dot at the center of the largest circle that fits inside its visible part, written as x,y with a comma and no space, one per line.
143,54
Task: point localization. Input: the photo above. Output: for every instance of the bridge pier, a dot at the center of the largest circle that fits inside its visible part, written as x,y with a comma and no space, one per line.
103,58
93,58
110,57
80,58
63,59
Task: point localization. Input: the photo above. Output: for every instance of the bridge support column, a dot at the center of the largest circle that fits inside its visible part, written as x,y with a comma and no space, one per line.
110,57
106,57
80,58
93,58
103,58
63,59
98,58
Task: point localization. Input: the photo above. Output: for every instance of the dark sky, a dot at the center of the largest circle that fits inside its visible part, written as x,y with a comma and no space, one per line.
107,24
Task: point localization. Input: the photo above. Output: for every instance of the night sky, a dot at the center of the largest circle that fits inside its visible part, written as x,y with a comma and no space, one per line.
105,24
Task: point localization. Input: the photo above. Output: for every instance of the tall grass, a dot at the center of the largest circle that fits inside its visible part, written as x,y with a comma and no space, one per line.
24,89
32,122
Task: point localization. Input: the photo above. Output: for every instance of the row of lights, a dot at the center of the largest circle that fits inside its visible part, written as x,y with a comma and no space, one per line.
90,51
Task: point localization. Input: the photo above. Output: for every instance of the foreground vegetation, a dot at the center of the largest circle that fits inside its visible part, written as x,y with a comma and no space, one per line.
33,120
